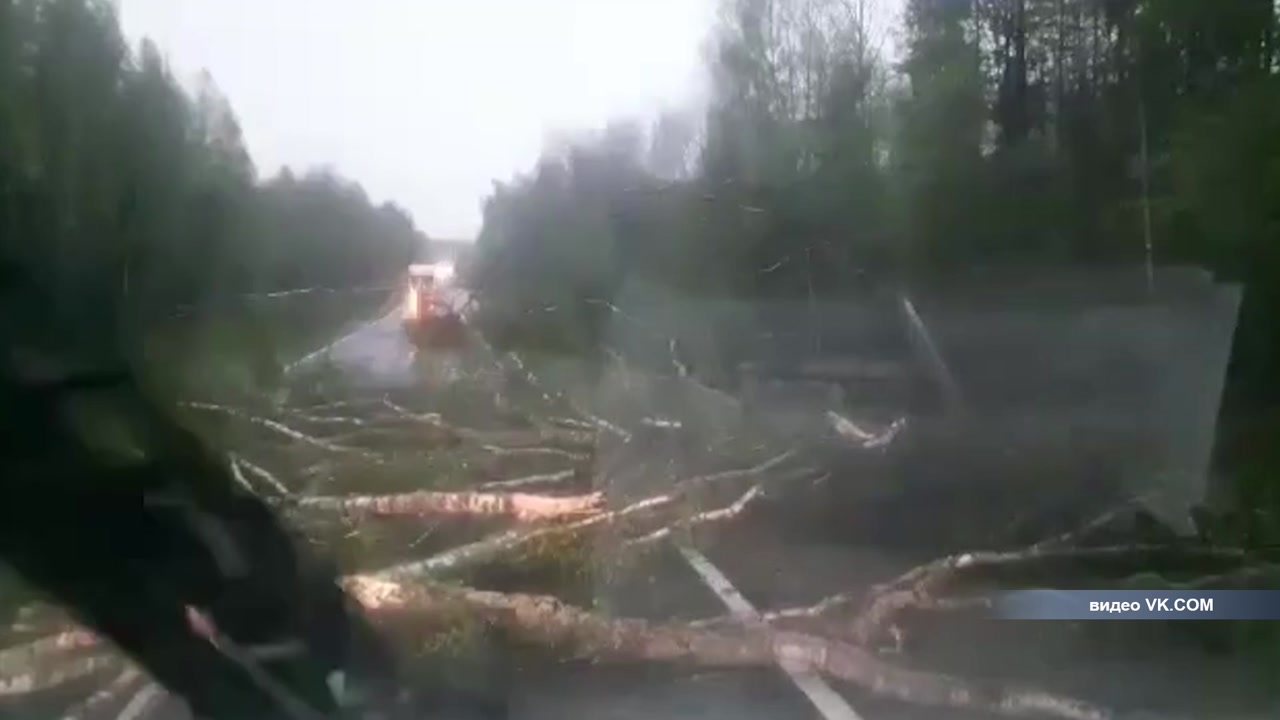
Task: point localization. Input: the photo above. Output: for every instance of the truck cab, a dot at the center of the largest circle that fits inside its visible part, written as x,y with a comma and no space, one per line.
428,318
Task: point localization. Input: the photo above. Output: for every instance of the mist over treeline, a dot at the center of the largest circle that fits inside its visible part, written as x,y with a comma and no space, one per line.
1006,133
124,195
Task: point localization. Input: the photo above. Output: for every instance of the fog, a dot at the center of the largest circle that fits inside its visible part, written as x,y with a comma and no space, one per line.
426,102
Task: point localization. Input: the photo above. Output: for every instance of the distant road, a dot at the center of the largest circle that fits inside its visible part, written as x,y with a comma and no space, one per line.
377,352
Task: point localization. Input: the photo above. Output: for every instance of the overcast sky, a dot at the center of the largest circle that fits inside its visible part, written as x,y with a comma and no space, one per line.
425,102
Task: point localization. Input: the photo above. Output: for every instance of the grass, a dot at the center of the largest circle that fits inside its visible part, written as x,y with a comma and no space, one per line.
244,349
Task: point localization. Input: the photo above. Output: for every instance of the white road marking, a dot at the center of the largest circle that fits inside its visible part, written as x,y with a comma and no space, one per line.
830,704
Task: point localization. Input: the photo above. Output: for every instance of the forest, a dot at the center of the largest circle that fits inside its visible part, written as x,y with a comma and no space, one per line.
126,195
1002,133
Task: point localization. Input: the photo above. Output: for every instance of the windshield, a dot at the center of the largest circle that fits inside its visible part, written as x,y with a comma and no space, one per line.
652,358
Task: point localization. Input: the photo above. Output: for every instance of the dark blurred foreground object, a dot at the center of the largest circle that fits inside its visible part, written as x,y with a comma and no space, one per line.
136,542
112,508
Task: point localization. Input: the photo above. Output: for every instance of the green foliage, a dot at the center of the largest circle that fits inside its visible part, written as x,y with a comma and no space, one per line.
123,196
1035,133
785,165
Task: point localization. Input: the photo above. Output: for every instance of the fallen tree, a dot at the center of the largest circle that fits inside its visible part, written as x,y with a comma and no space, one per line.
519,506
568,631
841,637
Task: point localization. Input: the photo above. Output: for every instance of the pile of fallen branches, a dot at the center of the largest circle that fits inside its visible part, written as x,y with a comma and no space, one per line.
854,638
839,637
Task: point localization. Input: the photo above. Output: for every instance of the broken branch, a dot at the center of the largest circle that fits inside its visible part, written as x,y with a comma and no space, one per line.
273,425
573,441
240,466
555,478
495,547
522,507
14,660
126,682
554,624
59,671
927,583
723,514
513,541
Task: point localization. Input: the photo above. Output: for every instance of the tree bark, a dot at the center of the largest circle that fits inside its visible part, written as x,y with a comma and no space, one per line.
522,507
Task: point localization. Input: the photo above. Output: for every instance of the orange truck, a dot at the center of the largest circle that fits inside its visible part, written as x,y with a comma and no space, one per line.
428,318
